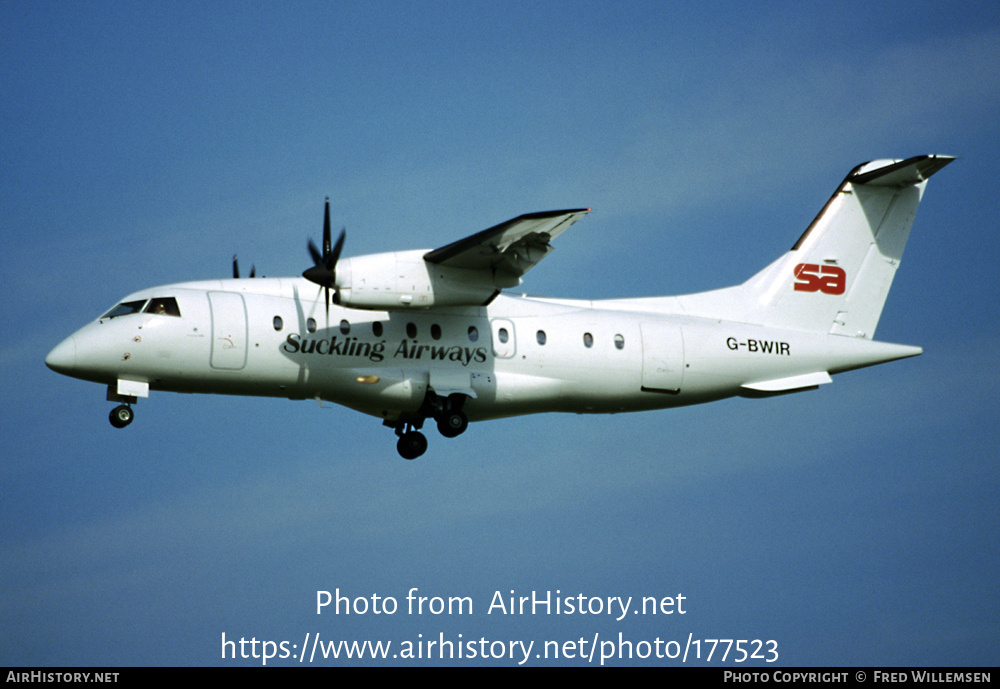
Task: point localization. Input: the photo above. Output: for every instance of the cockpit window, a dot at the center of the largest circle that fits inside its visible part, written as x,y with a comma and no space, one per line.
163,305
125,308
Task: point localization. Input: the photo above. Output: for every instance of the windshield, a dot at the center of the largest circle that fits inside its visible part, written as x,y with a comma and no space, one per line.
125,308
166,306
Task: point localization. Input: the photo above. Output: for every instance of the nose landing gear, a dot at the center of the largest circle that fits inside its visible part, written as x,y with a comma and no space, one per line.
411,443
121,416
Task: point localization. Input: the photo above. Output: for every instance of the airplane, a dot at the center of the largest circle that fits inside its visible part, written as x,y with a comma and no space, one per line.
416,335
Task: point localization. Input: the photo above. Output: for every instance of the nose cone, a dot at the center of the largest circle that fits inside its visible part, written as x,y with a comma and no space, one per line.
62,359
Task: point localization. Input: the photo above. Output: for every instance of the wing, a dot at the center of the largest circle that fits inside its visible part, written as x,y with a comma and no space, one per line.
512,247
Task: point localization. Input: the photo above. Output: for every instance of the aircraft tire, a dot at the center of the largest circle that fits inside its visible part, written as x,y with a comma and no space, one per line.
121,416
452,424
411,445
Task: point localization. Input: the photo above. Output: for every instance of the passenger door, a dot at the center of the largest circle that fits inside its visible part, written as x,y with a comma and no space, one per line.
229,330
662,357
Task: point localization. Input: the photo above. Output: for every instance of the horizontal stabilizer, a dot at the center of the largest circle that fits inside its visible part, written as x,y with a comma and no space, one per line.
892,173
790,384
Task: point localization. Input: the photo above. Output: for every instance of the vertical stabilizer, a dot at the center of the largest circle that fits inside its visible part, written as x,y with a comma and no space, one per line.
837,276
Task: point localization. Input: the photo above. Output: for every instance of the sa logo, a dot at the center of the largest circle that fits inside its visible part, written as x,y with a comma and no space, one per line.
816,278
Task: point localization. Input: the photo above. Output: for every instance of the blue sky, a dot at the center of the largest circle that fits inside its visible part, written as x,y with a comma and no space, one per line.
143,145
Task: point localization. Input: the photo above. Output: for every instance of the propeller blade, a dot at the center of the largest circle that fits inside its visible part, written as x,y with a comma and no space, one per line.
326,231
324,270
317,257
334,256
236,269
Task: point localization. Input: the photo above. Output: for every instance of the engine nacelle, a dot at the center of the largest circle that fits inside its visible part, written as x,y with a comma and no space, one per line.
404,280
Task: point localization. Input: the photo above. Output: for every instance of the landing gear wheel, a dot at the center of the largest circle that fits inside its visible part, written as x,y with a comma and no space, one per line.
452,424
411,445
121,416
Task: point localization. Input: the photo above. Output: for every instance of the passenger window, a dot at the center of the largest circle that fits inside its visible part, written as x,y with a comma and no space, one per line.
619,342
278,323
588,340
540,336
411,330
125,308
377,329
345,327
436,331
311,325
165,306
502,335
473,333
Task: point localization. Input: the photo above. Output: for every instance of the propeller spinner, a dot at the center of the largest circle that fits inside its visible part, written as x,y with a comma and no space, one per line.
324,272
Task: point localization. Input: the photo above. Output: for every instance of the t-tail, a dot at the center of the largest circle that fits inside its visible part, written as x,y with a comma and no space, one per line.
837,276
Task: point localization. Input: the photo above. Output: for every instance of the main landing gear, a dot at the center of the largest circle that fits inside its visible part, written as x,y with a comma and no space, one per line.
452,424
446,411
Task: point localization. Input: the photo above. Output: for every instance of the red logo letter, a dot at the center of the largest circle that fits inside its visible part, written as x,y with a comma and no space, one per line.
816,278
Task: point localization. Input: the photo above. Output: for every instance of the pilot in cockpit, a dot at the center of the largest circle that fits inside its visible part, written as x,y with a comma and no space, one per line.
166,306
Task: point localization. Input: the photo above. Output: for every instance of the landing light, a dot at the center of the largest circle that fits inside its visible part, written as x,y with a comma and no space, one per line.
368,380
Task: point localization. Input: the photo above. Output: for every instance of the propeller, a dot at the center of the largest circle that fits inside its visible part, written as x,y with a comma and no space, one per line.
324,272
236,269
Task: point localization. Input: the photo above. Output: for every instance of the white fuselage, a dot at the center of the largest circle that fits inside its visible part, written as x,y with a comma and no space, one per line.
518,355
419,335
